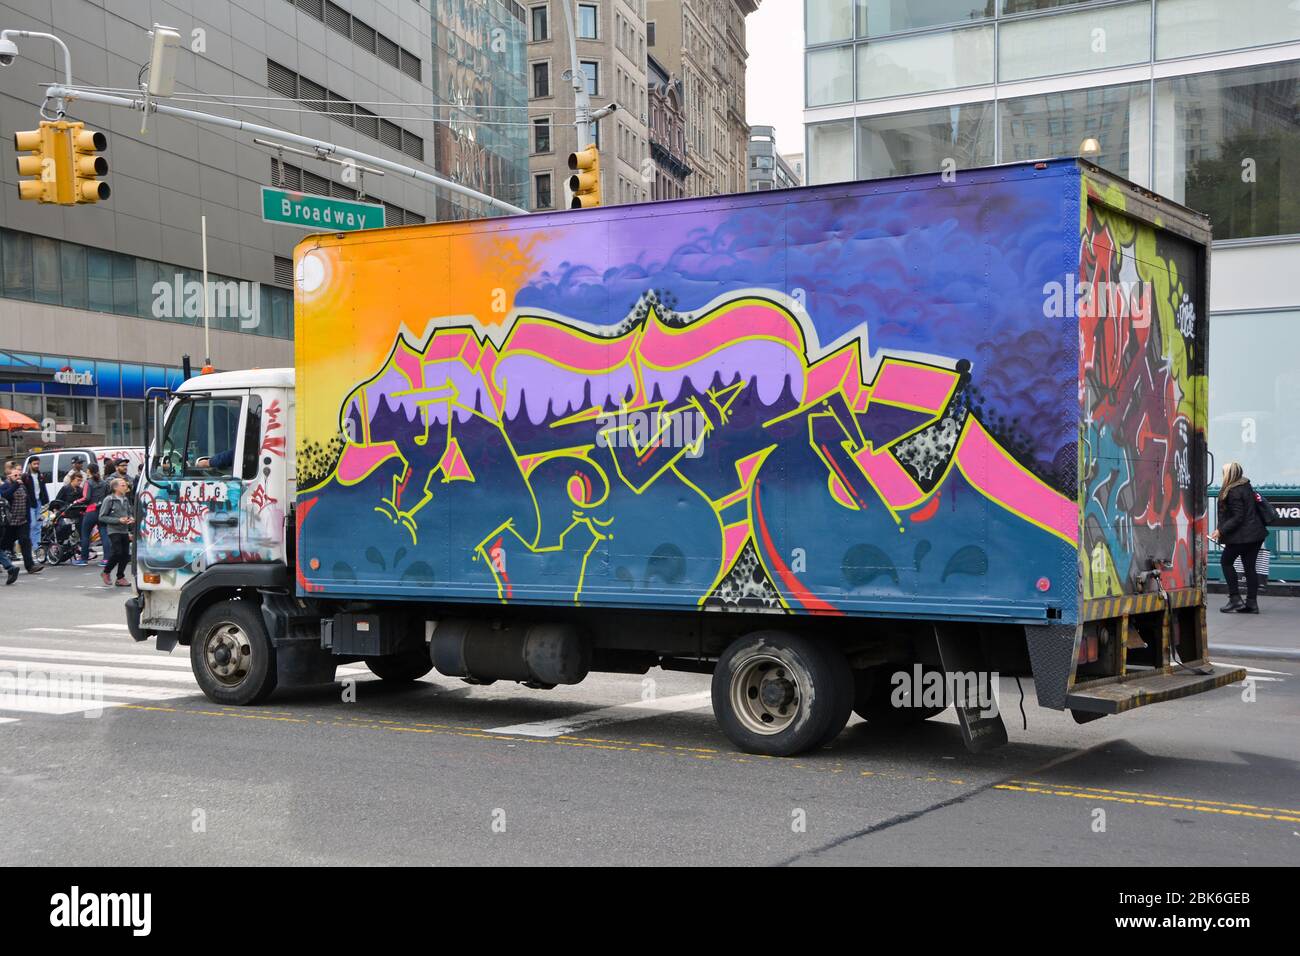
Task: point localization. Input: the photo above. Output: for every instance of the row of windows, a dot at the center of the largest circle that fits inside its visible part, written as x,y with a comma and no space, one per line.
1094,37
1184,27
541,77
286,82
1222,143
288,176
587,24
56,272
362,34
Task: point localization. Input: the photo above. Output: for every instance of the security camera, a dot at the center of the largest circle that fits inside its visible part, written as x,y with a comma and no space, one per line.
8,51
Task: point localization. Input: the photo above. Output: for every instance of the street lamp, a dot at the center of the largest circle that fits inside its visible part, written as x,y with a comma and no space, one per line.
1090,147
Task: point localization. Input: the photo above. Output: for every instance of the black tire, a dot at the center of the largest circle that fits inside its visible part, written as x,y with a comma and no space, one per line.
873,692
217,628
803,686
403,667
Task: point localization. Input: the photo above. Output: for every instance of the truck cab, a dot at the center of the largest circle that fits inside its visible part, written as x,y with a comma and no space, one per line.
214,499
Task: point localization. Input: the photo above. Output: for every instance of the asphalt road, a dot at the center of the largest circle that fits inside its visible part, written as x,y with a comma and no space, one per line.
443,773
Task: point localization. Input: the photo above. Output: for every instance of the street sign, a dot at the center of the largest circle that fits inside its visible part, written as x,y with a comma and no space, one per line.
319,212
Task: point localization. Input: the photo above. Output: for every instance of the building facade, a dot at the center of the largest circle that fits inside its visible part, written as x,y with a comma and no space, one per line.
667,133
767,168
479,79
611,45
112,292
703,43
1196,99
795,162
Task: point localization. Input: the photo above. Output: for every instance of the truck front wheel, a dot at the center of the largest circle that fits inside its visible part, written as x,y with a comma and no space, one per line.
780,694
231,656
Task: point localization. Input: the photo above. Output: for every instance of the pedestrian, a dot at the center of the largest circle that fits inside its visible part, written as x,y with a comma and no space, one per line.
95,488
1241,533
11,569
120,471
115,517
38,496
17,530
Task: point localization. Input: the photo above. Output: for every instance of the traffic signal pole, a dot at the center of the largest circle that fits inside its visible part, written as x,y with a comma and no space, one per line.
321,147
585,185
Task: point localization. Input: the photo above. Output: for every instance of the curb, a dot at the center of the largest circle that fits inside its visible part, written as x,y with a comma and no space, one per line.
1256,651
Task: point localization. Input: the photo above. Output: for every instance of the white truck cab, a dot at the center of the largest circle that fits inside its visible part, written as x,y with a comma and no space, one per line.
214,498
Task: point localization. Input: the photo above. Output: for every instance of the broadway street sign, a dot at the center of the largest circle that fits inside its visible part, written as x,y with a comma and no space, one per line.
319,212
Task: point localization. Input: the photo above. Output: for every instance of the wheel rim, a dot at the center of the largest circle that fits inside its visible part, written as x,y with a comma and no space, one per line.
765,694
228,654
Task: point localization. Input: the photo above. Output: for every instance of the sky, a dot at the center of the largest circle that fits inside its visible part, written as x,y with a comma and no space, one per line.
774,77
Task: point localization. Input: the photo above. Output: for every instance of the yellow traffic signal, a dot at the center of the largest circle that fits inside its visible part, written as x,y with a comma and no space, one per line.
61,155
43,147
86,143
585,181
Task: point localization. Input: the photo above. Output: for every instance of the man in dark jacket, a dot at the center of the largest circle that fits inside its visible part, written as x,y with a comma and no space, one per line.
1241,533
38,496
18,529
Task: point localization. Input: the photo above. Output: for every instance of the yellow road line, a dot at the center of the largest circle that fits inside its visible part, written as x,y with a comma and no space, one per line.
1162,796
1198,806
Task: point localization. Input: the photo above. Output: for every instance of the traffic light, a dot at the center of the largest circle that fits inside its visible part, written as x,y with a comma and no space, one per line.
44,147
61,155
86,143
585,181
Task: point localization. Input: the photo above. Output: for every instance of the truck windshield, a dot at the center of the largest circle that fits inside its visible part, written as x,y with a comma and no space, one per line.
200,437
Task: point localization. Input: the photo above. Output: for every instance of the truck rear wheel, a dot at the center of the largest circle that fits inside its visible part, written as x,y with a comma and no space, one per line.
402,667
231,656
873,699
780,694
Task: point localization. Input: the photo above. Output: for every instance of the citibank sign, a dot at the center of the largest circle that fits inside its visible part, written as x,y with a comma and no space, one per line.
70,376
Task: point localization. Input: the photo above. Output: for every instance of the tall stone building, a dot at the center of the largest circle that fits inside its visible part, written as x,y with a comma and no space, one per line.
667,133
611,43
703,43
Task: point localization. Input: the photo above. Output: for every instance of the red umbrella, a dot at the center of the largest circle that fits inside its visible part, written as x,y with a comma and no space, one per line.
10,420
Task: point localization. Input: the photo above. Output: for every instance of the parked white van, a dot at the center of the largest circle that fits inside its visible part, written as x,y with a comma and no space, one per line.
57,462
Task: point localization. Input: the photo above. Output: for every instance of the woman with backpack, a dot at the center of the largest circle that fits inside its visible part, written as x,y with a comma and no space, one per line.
1241,533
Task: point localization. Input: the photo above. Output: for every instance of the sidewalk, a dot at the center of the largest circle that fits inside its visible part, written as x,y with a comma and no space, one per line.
1273,633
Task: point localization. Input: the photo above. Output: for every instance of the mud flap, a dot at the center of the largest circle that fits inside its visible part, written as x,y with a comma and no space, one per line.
962,655
1051,654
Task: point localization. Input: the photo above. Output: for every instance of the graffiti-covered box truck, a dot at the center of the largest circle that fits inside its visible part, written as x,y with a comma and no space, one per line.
818,442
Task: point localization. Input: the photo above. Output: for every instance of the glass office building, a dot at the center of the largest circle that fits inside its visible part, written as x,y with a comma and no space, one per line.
1198,100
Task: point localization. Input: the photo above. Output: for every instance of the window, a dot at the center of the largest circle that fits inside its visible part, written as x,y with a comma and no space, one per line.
830,76
199,428
827,20
925,63
591,69
45,270
1072,42
17,256
588,14
1210,125
73,268
541,135
540,19
1189,27
541,79
830,151
902,144
1054,124
650,33
99,279
1254,394
879,17
542,191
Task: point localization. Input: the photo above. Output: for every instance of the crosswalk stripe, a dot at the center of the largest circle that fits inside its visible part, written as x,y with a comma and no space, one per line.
608,715
105,627
130,673
150,658
8,720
